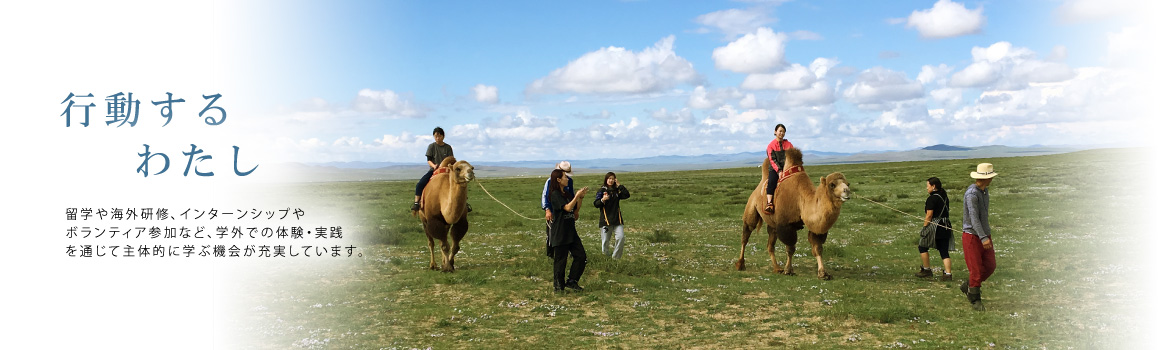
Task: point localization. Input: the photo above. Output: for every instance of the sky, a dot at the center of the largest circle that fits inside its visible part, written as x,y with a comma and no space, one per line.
368,81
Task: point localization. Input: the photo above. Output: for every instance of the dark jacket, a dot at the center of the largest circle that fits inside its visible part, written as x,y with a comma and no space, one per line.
610,209
562,228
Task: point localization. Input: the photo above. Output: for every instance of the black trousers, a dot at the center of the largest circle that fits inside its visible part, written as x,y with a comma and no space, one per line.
560,261
942,242
772,183
423,182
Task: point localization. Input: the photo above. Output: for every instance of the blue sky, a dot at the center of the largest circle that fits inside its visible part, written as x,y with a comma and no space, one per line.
367,81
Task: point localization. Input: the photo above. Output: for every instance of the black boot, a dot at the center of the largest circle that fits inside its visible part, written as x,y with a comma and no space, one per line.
963,287
923,273
574,285
976,298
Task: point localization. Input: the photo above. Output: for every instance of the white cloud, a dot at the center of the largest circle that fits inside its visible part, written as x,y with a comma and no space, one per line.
818,94
1129,47
604,114
702,98
804,35
977,74
947,19
878,85
735,22
729,119
794,77
821,65
932,74
389,103
682,116
1005,67
616,70
999,52
757,52
1074,11
749,101
403,140
1094,95
485,94
510,133
947,97
1058,54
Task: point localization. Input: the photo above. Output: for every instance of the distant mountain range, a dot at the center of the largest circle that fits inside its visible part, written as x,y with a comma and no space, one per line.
374,171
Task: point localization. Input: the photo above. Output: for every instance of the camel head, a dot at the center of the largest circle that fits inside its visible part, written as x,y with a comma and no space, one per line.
837,186
462,172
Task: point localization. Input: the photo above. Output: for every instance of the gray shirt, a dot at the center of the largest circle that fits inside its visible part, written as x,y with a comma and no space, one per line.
976,206
436,153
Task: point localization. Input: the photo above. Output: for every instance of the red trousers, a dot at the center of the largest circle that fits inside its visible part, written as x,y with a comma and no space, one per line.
980,262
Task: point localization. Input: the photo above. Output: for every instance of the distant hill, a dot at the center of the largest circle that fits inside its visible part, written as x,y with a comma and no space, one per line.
942,147
379,171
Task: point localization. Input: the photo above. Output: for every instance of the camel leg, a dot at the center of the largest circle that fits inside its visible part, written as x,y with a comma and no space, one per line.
431,248
433,228
789,238
816,241
445,248
771,247
746,229
430,245
457,232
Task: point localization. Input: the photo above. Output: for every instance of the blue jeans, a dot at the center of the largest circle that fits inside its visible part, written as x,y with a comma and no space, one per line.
423,182
606,233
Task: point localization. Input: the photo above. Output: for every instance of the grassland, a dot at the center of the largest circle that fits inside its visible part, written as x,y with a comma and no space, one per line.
1064,278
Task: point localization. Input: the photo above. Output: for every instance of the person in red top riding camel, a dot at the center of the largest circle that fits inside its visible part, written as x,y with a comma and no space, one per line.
776,153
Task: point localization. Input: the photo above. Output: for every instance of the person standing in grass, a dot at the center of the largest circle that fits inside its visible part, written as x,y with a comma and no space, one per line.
937,203
776,154
436,151
608,200
978,249
546,204
562,236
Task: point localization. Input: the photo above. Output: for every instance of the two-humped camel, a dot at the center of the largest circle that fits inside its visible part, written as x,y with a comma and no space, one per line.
444,209
797,204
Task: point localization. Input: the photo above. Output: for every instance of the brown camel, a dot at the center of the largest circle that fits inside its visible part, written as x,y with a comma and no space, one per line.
797,203
444,209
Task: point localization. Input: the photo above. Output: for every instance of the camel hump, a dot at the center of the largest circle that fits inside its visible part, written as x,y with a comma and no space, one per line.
765,169
793,156
447,162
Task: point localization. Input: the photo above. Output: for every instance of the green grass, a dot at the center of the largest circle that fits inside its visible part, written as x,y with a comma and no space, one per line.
1056,286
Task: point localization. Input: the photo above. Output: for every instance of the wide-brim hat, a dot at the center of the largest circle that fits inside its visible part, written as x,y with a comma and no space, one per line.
565,166
984,171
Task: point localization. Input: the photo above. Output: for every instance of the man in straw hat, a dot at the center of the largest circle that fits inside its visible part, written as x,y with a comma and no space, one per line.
978,250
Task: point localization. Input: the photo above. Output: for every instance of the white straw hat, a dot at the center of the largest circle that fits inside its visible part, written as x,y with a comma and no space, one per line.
984,171
565,166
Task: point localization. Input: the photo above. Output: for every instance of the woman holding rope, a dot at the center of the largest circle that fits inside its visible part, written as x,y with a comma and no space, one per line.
937,213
